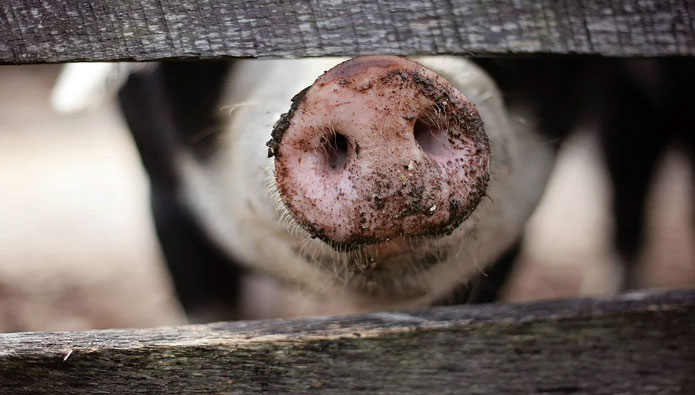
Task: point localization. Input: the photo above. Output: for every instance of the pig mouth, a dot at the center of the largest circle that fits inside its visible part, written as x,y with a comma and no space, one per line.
394,255
385,269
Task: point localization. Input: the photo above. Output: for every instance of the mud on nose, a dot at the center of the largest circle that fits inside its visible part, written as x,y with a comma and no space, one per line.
380,147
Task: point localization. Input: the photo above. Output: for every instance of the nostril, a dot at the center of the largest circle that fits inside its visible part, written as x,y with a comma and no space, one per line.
335,147
431,136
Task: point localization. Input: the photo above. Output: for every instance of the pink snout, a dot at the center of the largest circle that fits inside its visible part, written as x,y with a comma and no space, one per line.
378,148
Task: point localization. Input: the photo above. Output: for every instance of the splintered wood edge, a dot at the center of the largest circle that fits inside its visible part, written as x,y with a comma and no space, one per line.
103,30
636,341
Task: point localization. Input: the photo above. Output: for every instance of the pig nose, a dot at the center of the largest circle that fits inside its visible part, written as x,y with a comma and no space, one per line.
380,147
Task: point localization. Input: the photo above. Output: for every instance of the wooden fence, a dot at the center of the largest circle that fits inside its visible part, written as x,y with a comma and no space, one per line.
639,343
39,31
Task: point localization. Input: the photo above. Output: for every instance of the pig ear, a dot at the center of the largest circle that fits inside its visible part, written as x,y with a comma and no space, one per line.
193,92
84,86
169,110
175,106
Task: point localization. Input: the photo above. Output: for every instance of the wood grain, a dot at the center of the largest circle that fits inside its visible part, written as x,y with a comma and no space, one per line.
637,343
40,31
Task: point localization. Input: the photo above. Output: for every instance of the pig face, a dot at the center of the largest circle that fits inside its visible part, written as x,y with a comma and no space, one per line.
391,181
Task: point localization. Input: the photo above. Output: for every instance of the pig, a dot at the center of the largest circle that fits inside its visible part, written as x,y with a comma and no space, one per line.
379,181
391,182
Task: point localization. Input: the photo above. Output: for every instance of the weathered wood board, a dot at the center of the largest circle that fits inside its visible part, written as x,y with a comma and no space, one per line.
39,31
639,343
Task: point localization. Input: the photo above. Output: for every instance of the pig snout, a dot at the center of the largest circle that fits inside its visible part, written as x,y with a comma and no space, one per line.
379,147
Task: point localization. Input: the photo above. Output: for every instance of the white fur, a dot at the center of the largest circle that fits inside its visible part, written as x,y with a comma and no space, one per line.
84,86
234,193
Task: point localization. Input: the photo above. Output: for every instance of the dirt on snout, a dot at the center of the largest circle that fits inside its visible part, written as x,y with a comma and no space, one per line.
421,168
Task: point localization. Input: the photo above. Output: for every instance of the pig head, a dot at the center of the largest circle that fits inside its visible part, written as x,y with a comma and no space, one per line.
392,180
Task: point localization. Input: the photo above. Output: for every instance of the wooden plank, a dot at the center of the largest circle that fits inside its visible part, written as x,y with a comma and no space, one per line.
636,343
39,31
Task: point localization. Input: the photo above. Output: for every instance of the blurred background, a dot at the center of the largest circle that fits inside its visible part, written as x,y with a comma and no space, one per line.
78,249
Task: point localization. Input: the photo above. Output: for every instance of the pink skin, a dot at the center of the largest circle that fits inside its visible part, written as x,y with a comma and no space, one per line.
380,148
